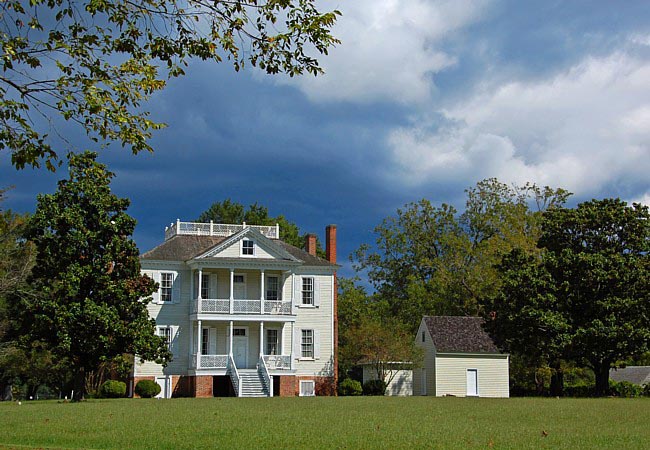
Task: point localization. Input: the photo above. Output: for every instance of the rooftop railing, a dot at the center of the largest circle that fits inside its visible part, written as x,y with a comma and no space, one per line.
217,229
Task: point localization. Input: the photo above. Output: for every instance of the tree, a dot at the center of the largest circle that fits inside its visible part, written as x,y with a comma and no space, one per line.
586,296
16,261
432,260
228,211
525,318
87,292
597,256
387,347
96,62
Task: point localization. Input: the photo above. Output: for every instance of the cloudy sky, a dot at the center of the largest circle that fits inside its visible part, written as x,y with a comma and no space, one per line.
422,99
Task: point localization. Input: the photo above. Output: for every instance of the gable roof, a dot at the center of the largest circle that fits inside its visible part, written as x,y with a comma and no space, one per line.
253,234
460,334
634,374
186,247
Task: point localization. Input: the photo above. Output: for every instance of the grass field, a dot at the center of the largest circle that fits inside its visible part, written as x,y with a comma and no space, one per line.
362,422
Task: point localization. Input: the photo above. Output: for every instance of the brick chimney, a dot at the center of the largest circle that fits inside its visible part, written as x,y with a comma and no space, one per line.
310,244
330,243
330,254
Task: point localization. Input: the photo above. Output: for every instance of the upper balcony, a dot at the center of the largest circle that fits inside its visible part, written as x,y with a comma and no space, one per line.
241,306
217,229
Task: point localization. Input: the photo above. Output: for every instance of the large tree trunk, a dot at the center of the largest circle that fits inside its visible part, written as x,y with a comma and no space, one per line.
79,384
601,370
557,380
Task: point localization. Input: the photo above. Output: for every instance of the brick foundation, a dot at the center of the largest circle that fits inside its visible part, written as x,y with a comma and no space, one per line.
290,386
203,386
182,386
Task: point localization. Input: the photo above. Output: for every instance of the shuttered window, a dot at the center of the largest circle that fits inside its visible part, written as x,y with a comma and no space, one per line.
307,344
166,285
307,291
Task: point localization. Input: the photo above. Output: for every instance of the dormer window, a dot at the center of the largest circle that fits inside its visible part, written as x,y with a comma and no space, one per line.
247,247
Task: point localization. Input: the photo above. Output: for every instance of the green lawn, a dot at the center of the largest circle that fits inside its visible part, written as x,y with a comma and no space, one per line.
362,422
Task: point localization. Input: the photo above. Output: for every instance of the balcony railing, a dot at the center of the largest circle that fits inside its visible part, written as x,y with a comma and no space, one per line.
241,306
217,229
273,362
209,361
277,362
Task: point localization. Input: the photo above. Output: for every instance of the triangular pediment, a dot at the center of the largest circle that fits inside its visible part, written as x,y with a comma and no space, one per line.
263,248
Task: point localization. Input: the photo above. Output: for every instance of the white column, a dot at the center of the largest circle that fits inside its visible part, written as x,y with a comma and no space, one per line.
230,343
293,336
261,338
232,289
262,291
200,284
198,340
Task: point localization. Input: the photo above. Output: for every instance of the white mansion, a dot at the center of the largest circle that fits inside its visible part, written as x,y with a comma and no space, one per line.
244,313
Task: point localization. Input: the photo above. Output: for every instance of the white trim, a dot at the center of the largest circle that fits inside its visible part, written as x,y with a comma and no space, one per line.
467,372
241,248
311,392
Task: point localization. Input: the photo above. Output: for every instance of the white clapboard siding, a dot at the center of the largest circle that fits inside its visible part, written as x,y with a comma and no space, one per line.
319,319
451,375
428,364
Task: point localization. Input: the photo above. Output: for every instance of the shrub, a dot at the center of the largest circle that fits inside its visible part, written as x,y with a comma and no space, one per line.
350,387
113,389
646,390
625,389
147,388
374,387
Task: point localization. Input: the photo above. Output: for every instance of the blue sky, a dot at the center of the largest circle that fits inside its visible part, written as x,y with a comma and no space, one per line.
422,99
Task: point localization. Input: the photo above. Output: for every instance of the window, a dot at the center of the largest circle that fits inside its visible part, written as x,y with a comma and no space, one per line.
166,334
205,341
272,288
307,291
205,285
307,388
247,247
166,282
272,342
239,332
307,344
238,278
423,336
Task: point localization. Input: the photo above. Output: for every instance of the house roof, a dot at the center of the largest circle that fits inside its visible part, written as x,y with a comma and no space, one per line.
184,247
451,334
634,374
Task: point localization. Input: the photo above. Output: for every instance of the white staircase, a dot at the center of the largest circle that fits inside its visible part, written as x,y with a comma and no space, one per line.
252,384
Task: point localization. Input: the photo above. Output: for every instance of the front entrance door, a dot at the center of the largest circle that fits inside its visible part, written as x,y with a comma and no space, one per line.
240,347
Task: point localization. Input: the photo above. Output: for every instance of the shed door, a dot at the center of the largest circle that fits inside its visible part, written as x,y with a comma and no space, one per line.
472,382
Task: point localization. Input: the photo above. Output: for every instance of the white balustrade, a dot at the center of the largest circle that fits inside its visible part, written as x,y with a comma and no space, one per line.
240,306
266,375
277,362
234,375
217,229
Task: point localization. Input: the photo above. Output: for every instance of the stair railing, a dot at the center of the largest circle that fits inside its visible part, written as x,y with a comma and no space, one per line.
261,367
234,375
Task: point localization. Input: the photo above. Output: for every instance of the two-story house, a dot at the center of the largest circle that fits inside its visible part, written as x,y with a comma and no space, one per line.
244,313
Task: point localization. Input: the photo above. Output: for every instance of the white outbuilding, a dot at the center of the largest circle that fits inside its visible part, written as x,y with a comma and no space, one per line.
460,359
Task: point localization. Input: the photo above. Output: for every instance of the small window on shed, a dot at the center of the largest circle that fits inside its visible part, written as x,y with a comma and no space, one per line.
423,336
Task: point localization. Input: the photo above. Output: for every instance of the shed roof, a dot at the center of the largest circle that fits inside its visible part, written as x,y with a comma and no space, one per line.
460,334
634,374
